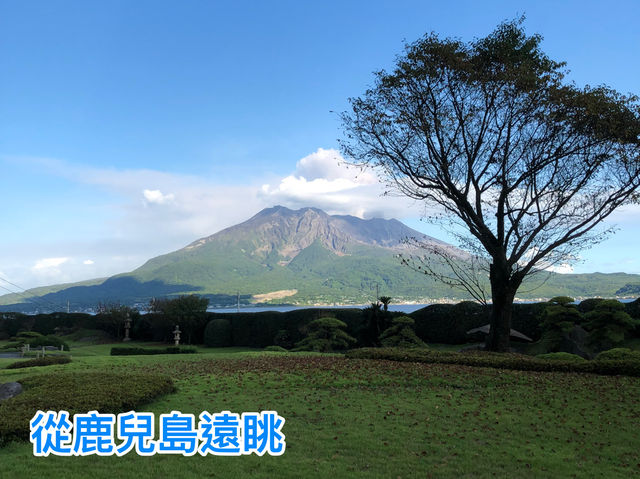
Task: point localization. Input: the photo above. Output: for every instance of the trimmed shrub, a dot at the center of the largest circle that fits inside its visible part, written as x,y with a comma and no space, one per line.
588,305
486,359
217,333
619,354
401,334
325,335
608,324
78,392
120,351
560,356
276,349
45,361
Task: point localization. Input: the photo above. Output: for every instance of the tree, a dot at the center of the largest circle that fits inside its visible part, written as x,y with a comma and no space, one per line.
401,334
493,140
325,335
608,324
558,319
374,319
385,300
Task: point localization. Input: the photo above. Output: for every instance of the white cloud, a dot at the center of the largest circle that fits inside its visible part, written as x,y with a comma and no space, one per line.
330,165
46,263
88,261
563,268
324,180
156,196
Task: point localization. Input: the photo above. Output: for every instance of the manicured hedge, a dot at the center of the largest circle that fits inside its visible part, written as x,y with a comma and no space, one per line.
619,353
217,334
44,361
560,356
276,349
119,351
499,360
77,392
449,323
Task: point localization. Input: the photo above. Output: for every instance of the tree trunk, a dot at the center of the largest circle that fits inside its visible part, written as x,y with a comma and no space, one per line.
502,294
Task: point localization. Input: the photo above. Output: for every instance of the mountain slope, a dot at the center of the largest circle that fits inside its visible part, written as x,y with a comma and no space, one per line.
304,257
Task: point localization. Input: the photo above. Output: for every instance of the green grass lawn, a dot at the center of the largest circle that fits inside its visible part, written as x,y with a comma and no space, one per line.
364,418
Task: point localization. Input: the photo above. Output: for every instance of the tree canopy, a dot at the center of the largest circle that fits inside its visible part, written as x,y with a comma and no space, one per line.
490,136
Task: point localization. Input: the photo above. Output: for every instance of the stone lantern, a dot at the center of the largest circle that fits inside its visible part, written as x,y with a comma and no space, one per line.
127,327
176,335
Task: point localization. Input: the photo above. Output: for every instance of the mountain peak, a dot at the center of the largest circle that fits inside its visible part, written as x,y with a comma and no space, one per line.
280,232
284,211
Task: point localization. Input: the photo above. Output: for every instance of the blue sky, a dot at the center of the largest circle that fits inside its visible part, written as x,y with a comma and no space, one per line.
130,128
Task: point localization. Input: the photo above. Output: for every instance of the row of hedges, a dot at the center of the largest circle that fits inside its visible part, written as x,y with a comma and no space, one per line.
624,367
118,351
77,393
44,361
438,323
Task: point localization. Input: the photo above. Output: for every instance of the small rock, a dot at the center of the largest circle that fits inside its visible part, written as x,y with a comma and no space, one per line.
9,390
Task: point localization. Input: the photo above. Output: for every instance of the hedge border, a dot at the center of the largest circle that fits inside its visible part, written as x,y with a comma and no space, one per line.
120,351
500,361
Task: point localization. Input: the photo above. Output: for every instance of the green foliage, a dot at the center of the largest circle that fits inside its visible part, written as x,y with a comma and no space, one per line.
77,392
487,359
619,353
217,334
401,334
633,308
558,319
124,351
561,356
43,361
325,335
608,324
588,305
562,300
276,349
180,306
